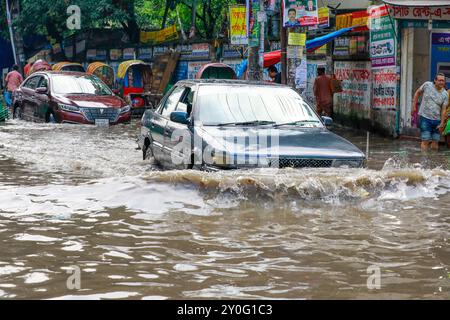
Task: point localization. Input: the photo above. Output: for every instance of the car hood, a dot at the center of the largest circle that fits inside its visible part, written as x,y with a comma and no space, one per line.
91,101
318,143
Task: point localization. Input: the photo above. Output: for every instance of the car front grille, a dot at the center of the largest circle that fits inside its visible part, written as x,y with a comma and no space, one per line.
300,163
100,113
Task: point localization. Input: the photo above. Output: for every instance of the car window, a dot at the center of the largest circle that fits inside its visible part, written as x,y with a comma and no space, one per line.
43,83
172,101
32,83
187,100
219,104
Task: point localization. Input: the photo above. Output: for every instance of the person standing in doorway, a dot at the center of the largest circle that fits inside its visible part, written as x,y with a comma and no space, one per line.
13,80
432,111
323,93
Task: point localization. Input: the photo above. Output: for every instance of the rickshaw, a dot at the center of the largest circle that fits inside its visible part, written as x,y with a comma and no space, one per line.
216,71
134,79
68,66
102,71
39,65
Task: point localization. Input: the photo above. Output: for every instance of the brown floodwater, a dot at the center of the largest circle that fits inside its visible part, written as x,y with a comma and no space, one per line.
82,197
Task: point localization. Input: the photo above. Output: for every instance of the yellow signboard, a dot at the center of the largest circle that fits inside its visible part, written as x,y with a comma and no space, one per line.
238,25
297,39
152,37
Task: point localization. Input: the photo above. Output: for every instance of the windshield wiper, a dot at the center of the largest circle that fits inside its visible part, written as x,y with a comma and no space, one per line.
246,123
293,123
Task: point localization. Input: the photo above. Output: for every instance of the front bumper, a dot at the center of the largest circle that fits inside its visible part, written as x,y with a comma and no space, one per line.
79,117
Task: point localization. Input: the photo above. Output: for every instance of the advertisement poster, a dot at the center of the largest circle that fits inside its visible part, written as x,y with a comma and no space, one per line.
238,25
300,13
145,53
440,55
200,50
384,88
194,67
356,84
324,17
91,54
252,24
128,54
296,39
115,54
301,75
382,38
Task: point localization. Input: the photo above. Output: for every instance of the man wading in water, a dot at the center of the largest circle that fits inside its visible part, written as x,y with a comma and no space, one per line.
432,111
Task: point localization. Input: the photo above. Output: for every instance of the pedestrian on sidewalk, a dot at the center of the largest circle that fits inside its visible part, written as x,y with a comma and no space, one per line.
432,111
13,80
323,93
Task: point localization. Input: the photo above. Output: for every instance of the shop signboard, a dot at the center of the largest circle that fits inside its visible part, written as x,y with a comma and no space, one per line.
440,55
422,13
238,25
384,88
300,13
382,38
159,50
100,54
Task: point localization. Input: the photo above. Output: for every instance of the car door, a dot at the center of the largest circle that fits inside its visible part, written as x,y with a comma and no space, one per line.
42,100
159,120
28,98
177,136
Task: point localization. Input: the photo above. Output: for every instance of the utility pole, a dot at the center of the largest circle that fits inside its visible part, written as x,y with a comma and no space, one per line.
11,35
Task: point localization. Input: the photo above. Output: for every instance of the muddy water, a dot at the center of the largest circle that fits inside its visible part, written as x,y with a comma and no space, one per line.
81,196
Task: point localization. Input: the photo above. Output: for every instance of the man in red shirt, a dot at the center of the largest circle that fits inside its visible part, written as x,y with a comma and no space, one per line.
323,93
13,81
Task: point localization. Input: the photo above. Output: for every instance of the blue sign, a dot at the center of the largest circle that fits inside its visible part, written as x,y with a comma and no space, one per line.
440,55
181,71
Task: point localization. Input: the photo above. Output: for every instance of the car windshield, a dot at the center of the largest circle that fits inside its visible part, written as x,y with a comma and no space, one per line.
253,105
70,84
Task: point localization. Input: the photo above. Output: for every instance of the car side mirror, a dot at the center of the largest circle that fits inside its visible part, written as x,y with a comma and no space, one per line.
41,90
179,117
327,121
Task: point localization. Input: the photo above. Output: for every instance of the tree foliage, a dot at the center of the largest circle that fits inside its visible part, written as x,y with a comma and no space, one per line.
48,17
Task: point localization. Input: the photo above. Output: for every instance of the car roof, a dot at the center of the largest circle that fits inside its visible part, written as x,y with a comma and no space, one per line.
66,73
227,82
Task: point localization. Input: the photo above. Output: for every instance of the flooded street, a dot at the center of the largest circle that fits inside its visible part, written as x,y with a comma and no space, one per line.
75,195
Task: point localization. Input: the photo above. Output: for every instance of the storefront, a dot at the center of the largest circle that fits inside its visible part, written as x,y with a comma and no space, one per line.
424,36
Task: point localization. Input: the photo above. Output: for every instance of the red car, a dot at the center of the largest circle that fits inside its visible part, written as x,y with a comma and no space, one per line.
71,97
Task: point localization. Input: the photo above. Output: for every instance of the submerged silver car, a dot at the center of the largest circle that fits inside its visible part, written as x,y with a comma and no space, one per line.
229,124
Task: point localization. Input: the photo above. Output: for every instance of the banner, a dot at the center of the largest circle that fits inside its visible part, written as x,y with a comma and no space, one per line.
253,28
300,13
382,38
384,88
425,13
238,25
164,35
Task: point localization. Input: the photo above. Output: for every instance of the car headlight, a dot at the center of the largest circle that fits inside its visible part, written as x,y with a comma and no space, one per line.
348,163
69,108
125,109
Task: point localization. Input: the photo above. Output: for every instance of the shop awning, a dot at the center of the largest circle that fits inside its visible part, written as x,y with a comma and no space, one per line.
418,3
